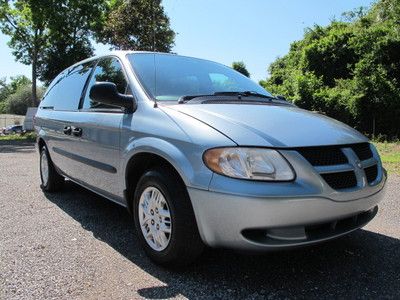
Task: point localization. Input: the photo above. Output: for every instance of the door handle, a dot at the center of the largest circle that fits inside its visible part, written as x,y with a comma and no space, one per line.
67,130
76,131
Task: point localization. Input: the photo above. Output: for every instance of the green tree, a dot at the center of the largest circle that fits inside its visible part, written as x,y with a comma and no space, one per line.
4,93
240,67
4,89
50,35
349,70
17,82
137,25
7,89
18,102
25,21
71,27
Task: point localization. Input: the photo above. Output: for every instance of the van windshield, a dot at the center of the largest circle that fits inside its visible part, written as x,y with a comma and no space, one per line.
168,77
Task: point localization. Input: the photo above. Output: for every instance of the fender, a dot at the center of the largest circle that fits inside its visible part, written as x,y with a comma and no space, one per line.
193,174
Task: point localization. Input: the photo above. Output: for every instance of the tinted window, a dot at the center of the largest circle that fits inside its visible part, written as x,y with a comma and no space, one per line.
168,77
64,93
110,70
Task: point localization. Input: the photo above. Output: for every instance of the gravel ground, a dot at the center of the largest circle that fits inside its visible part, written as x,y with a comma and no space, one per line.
77,245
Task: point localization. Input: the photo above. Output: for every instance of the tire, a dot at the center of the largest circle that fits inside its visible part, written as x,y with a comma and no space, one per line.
51,181
184,243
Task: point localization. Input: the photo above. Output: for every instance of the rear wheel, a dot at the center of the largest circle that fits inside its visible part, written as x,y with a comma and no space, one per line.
51,181
164,219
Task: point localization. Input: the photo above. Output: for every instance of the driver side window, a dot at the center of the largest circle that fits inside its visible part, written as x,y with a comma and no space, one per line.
110,70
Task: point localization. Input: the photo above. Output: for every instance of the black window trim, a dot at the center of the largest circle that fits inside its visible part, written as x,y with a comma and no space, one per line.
84,91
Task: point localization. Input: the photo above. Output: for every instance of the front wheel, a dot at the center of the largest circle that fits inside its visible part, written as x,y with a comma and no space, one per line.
51,181
164,219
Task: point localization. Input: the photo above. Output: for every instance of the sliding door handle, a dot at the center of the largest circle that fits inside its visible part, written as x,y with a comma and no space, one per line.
67,130
76,131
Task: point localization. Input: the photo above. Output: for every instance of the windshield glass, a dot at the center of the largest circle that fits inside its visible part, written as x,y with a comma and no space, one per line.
169,77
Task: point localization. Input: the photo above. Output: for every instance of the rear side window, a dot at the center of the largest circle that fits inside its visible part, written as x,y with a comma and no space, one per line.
108,69
65,91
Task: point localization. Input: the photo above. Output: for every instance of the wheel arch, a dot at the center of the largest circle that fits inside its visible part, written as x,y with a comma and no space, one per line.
41,143
137,165
183,159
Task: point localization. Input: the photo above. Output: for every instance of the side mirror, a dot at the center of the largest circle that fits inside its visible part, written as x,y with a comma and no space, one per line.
107,93
280,97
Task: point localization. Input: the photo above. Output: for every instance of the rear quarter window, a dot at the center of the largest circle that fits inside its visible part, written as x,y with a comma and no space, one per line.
65,92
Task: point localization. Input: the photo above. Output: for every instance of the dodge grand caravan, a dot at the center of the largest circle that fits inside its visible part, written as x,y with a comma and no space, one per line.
201,155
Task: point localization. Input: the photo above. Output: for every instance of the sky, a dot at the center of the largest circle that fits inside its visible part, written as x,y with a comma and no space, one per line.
253,31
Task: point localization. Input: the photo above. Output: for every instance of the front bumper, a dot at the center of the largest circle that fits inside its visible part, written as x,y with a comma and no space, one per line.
246,222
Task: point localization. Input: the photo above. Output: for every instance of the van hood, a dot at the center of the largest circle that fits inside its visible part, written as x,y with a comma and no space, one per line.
272,125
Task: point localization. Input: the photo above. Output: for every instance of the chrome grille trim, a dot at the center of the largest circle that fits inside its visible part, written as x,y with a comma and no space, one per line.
354,165
334,168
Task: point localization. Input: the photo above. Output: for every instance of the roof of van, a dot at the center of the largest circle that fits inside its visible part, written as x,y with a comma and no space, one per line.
123,53
120,53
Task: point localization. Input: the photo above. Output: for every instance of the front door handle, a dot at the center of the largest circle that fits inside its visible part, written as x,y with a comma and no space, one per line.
76,131
67,130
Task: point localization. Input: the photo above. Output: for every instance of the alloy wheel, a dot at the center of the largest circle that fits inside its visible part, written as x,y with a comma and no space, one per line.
155,218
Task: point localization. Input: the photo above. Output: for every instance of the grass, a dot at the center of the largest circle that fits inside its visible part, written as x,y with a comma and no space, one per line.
27,137
390,155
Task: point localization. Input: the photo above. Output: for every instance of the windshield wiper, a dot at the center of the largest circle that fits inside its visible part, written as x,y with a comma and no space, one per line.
186,98
245,94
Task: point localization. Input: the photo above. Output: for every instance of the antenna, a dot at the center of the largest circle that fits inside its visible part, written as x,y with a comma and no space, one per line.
153,9
155,80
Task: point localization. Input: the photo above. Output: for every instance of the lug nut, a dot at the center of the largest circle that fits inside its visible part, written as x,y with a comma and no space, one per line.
152,222
158,227
152,212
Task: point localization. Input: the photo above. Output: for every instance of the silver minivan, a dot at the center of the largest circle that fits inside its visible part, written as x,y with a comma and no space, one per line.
202,155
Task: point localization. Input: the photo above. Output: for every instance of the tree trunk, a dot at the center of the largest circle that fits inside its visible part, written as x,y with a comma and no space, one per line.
34,75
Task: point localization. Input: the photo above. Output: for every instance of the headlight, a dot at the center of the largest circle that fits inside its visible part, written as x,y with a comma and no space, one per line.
249,163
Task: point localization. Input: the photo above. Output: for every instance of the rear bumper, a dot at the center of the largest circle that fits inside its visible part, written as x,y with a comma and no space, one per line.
267,223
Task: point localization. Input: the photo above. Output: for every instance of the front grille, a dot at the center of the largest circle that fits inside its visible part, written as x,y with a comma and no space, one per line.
363,151
341,180
323,156
326,156
371,173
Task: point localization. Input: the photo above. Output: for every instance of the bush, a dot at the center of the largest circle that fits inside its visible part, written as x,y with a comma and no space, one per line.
19,102
349,70
3,107
30,136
